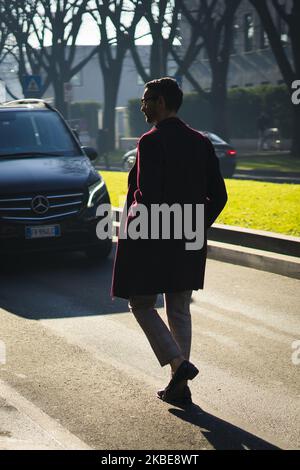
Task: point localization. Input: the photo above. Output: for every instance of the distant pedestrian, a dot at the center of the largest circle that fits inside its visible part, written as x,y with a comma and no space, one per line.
175,165
263,122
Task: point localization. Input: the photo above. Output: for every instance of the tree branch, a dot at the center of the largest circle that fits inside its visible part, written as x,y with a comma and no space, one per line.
285,67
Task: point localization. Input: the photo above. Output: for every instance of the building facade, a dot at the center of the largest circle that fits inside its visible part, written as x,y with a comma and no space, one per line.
252,61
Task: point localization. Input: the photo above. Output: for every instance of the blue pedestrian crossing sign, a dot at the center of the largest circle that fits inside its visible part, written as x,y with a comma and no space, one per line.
32,85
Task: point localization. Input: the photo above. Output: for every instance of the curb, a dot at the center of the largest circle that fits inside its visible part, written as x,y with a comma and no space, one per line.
275,263
257,239
262,172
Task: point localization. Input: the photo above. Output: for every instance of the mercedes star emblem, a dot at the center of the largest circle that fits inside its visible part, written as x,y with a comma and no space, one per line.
40,205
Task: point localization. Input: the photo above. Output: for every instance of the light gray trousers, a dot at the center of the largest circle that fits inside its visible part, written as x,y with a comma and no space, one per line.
166,343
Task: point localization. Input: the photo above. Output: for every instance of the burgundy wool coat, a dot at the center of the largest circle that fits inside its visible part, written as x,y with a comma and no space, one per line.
175,164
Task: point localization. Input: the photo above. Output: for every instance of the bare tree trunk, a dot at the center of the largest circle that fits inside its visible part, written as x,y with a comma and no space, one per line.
214,27
158,58
218,100
111,87
60,103
290,69
111,53
160,48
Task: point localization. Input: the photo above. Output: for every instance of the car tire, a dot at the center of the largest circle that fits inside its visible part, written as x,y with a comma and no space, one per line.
99,252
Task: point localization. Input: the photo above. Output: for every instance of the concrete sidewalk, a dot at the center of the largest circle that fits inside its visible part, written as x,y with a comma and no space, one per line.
29,428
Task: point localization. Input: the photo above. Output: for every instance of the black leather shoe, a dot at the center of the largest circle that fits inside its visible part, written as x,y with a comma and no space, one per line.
186,371
182,398
184,394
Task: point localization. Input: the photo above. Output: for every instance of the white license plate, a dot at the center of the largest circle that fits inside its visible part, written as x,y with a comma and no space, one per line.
42,231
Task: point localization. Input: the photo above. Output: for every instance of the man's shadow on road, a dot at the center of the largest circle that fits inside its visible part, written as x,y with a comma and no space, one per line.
221,434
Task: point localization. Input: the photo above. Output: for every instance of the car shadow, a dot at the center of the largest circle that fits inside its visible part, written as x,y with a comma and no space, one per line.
58,285
221,434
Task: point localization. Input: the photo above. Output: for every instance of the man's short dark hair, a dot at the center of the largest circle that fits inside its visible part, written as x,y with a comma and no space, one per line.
169,89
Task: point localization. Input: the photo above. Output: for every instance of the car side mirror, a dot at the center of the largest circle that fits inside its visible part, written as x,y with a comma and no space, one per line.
90,152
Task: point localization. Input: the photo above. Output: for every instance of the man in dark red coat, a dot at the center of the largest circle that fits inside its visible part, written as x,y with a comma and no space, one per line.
176,168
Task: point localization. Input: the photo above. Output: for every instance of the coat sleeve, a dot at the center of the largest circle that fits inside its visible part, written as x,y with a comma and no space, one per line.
149,172
216,190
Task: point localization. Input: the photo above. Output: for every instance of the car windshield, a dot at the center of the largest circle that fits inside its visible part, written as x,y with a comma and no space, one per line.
215,139
39,132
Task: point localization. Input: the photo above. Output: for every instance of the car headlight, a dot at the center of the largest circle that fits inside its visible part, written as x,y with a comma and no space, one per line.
93,190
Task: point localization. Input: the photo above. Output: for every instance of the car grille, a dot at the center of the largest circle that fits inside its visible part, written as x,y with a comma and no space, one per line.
61,204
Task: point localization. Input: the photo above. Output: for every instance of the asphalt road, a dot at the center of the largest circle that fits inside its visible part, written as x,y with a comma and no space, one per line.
79,371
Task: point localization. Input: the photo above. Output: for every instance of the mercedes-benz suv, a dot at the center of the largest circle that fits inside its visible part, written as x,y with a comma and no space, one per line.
49,189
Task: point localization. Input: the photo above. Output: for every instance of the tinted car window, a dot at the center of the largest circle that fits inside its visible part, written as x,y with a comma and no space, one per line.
36,131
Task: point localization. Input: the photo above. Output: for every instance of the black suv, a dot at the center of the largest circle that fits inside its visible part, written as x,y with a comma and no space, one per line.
49,190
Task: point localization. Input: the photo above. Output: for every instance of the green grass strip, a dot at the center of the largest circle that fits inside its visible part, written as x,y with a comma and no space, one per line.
251,204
